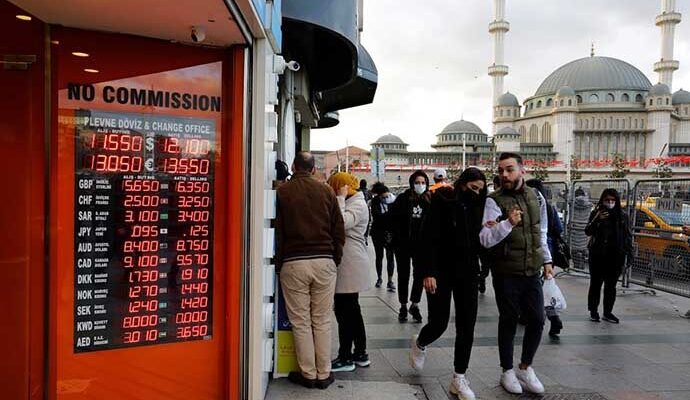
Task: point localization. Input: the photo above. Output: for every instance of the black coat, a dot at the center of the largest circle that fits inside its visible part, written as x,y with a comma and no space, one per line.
381,222
453,229
408,215
610,240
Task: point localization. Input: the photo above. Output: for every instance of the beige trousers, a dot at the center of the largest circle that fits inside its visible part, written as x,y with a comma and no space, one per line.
308,289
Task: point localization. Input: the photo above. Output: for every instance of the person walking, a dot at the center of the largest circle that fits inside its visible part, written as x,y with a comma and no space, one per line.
553,235
514,232
353,274
309,244
610,242
408,215
454,222
382,233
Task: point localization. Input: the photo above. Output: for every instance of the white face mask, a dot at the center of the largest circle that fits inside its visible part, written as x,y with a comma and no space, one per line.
419,188
609,204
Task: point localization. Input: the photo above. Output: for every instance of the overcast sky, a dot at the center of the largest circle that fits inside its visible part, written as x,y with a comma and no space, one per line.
432,58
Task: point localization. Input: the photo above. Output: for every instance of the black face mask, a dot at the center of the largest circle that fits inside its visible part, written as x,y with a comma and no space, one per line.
469,196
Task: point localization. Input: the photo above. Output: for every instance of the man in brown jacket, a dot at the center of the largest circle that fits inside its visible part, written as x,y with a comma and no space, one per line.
309,244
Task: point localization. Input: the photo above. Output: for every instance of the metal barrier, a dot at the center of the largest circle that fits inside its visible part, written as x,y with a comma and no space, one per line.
662,252
557,195
583,197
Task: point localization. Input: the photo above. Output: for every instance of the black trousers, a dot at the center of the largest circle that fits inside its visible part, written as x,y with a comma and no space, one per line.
517,296
603,271
405,262
350,325
464,292
380,248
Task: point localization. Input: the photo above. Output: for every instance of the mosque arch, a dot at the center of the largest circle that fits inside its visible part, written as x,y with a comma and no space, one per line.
533,134
638,98
593,98
658,101
546,133
570,102
560,103
549,102
579,99
523,134
610,97
625,97
539,104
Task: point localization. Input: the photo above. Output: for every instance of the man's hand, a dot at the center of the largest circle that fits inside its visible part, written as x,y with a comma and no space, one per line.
430,284
515,216
343,190
548,270
490,224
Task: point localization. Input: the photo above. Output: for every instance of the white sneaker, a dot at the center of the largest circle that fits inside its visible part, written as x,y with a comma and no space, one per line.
529,381
460,387
417,355
510,382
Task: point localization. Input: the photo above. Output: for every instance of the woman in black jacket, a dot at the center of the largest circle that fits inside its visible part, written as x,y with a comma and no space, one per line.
382,233
610,242
454,224
408,216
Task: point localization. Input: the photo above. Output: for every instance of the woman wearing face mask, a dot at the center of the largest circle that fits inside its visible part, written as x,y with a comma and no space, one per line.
455,220
408,214
353,274
610,242
381,233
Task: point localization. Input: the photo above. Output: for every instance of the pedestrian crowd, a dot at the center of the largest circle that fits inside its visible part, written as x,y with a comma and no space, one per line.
445,240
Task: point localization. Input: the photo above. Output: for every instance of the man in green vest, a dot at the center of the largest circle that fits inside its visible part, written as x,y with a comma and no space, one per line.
514,232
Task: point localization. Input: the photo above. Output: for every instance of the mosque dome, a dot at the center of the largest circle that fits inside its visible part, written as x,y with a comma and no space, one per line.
508,99
461,126
389,139
681,97
565,91
595,73
660,89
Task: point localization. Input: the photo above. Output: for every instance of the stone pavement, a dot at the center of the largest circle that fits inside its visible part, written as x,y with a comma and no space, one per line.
646,356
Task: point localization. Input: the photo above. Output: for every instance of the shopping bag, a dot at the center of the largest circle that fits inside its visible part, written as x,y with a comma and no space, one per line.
553,297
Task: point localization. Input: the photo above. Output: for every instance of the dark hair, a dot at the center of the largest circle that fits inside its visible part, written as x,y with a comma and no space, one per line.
378,188
507,155
617,209
469,175
304,161
363,184
497,182
282,170
537,184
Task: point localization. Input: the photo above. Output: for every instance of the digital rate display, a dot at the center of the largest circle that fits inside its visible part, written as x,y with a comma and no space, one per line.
143,228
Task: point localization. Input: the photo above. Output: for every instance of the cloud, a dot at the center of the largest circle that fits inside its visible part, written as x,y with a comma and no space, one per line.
432,59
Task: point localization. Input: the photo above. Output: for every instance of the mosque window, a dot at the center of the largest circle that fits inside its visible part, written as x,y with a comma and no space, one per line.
593,98
539,104
610,98
546,133
500,113
570,102
561,103
658,101
651,102
667,100
579,99
686,110
625,97
523,134
549,102
533,134
638,98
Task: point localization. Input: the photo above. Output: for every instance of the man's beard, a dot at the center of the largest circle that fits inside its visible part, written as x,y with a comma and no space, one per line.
509,184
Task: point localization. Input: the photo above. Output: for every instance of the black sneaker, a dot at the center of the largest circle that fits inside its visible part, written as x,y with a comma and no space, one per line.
324,383
361,360
379,282
391,286
594,316
556,326
340,365
299,379
611,318
416,315
402,314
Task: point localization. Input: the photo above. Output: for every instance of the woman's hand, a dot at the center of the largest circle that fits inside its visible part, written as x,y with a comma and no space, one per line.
430,284
601,214
343,190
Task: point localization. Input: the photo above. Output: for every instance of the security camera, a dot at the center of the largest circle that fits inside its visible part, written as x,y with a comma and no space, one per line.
293,66
198,34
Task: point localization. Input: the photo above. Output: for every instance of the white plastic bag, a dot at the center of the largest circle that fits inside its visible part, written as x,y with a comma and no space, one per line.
553,297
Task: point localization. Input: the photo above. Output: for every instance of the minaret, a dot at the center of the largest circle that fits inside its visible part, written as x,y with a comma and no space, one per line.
667,21
498,29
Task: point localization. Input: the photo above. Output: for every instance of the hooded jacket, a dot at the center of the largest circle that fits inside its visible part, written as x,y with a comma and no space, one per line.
408,215
454,222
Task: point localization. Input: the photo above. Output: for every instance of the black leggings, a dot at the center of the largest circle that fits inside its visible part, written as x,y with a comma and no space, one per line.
464,291
604,272
518,296
350,325
380,248
403,259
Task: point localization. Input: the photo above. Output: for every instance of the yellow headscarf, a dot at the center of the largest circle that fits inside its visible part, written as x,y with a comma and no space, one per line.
340,179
